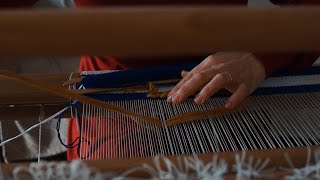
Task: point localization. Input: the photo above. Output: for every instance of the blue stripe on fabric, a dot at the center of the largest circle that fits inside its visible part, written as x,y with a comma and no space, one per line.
142,76
309,71
258,92
135,77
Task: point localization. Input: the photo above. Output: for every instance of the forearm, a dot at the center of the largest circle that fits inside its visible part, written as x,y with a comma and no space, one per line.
275,61
294,61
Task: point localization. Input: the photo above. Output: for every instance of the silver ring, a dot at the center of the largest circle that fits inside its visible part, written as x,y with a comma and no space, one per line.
229,75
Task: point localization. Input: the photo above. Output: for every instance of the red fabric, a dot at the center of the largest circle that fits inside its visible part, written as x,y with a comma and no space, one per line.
94,63
276,61
101,134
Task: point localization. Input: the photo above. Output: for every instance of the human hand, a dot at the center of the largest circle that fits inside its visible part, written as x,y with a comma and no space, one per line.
239,73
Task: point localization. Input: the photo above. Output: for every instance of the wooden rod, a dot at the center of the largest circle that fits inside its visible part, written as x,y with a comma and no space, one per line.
14,93
30,112
155,31
298,156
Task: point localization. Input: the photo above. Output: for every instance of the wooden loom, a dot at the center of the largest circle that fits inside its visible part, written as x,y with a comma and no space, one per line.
197,25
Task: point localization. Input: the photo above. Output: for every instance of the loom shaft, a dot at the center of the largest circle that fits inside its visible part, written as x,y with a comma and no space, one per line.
158,31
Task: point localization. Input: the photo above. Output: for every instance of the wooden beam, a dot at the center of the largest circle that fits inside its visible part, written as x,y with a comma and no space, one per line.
14,93
30,112
276,156
149,31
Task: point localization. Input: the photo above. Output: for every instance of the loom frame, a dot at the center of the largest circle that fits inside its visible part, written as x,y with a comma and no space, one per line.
27,108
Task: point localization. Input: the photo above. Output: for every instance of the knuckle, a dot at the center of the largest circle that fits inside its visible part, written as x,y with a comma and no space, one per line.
185,90
189,75
177,87
208,89
215,59
222,76
200,76
174,90
222,65
212,59
218,68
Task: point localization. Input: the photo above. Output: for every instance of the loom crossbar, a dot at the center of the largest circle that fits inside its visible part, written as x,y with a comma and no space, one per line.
276,156
160,31
14,93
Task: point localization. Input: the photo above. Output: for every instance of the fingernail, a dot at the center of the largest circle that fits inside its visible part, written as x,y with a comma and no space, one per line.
176,98
198,99
229,105
169,99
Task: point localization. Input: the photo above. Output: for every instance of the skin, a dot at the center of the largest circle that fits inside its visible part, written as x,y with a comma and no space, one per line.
238,72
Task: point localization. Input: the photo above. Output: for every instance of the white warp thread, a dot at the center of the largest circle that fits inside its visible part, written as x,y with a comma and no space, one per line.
86,73
34,126
79,170
163,168
250,169
309,171
41,117
59,171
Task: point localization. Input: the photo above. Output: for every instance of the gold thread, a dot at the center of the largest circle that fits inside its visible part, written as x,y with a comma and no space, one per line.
154,93
68,94
185,117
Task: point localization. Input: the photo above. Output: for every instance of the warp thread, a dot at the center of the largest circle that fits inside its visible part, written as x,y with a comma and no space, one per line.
309,171
54,171
78,141
35,126
163,168
68,94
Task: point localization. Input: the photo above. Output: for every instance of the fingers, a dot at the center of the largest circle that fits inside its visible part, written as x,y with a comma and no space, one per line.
217,83
205,64
239,73
184,73
237,97
187,76
192,86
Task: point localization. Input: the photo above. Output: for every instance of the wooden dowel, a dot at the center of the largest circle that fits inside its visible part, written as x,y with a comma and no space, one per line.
154,31
298,156
14,93
30,112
